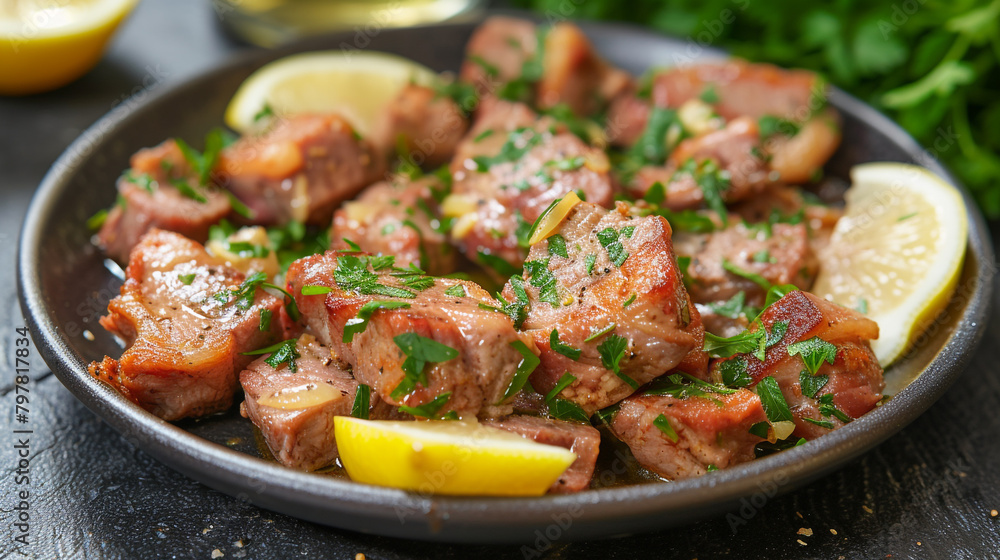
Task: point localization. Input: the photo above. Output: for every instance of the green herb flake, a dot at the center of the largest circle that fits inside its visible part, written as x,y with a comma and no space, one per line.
664,426
457,290
557,246
743,343
483,135
265,320
589,261
751,276
95,222
352,275
814,352
609,239
519,142
315,290
735,372
186,279
358,323
362,402
629,301
600,332
543,279
281,353
428,409
419,351
529,361
562,348
612,352
775,406
566,380
562,409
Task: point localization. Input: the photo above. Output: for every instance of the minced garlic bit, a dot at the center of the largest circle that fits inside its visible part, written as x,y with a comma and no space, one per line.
805,531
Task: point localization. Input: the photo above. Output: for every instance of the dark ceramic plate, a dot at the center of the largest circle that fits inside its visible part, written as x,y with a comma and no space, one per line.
64,286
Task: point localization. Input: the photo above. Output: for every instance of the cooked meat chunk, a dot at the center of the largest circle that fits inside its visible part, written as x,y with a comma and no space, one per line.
509,168
497,51
780,202
731,155
429,126
579,438
606,285
301,169
441,343
742,89
627,118
574,74
185,329
848,375
398,218
693,434
779,253
294,410
798,157
159,191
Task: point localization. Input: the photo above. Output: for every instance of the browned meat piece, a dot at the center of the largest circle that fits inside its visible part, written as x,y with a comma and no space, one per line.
184,330
735,159
780,256
743,89
400,219
579,438
619,274
301,169
697,432
149,198
497,51
852,383
504,179
574,74
483,344
799,158
294,410
430,126
786,202
627,117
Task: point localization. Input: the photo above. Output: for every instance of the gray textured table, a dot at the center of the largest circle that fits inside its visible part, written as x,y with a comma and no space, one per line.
926,493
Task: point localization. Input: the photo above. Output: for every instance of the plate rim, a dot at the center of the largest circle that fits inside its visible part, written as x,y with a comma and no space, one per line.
355,506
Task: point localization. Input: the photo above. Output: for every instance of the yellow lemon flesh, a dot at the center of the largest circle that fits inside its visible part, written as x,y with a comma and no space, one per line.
447,457
897,251
45,44
356,85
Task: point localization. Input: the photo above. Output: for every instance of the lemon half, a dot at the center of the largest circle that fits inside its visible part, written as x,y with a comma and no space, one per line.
897,251
447,457
46,44
356,85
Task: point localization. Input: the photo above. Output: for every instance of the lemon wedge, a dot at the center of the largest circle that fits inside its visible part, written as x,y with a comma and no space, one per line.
46,44
897,251
357,85
447,457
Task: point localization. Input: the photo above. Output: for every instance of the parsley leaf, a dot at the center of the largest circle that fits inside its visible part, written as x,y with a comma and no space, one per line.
543,279
566,380
743,343
600,332
362,402
419,352
529,361
457,290
519,142
664,426
735,372
428,409
589,261
609,239
358,323
612,352
281,353
265,320
352,275
775,406
186,279
751,276
814,352
315,290
498,264
557,246
562,409
812,384
561,347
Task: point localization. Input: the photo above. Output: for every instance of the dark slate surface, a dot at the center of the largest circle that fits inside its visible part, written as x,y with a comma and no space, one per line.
926,493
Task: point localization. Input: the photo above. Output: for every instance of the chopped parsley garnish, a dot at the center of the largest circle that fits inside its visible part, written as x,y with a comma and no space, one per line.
186,279
827,409
652,147
745,342
760,429
775,406
734,372
265,320
732,308
709,96
778,291
778,331
566,380
358,323
600,332
188,191
413,277
561,347
656,194
821,423
483,135
770,125
144,181
814,352
612,352
609,239
687,220
523,230
763,256
529,361
388,228
245,293
711,468
95,222
712,181
629,301
570,164
463,94
315,290
246,249
419,352
352,275
543,279
362,402
428,409
457,290
562,409
557,246
862,306
352,247
238,206
812,384
519,142
682,386
517,310
589,260
203,163
751,276
664,426
265,112
281,353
